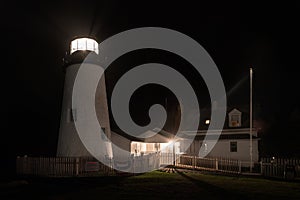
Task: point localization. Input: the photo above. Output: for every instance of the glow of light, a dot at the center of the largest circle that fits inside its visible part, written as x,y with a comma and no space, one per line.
207,121
83,44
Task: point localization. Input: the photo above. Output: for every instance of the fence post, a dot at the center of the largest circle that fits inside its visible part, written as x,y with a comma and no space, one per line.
261,167
194,162
132,163
77,166
240,166
217,164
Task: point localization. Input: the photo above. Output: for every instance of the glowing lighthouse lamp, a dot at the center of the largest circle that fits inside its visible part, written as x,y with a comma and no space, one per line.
83,44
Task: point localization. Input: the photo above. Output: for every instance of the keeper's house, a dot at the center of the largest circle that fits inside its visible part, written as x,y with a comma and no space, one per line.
233,143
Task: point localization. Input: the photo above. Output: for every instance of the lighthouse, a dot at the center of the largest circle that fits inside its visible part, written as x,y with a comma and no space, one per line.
69,143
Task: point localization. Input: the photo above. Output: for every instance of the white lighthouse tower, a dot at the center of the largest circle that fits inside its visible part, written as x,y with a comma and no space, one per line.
69,143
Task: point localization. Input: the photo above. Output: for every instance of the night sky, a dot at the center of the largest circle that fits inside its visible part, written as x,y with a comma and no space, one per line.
35,37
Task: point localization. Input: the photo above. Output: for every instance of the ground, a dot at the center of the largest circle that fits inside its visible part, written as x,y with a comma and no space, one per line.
153,185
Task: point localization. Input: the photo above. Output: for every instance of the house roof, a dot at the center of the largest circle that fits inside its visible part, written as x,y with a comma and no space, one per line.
234,111
205,113
158,136
241,132
225,137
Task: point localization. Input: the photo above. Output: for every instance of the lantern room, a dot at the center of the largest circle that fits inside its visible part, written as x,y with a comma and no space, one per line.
84,44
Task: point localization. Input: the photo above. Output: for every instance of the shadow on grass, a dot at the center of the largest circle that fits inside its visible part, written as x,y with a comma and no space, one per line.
37,187
212,189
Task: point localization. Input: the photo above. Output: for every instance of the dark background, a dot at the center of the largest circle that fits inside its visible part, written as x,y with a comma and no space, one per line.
35,37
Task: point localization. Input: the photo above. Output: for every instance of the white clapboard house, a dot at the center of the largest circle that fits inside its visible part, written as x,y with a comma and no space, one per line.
233,143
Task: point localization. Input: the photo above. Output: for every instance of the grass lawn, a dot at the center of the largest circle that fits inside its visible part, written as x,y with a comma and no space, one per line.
154,185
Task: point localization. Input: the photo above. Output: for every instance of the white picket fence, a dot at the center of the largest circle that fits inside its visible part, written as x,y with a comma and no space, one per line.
60,166
286,168
225,165
87,166
84,166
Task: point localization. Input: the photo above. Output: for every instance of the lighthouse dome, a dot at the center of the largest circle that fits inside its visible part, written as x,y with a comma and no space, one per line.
84,44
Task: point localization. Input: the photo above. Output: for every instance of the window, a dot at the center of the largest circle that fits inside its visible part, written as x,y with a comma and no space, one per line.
150,147
233,146
235,118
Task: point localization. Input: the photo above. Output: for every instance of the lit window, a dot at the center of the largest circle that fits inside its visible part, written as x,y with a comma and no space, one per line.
143,147
73,46
89,44
233,146
82,44
207,121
